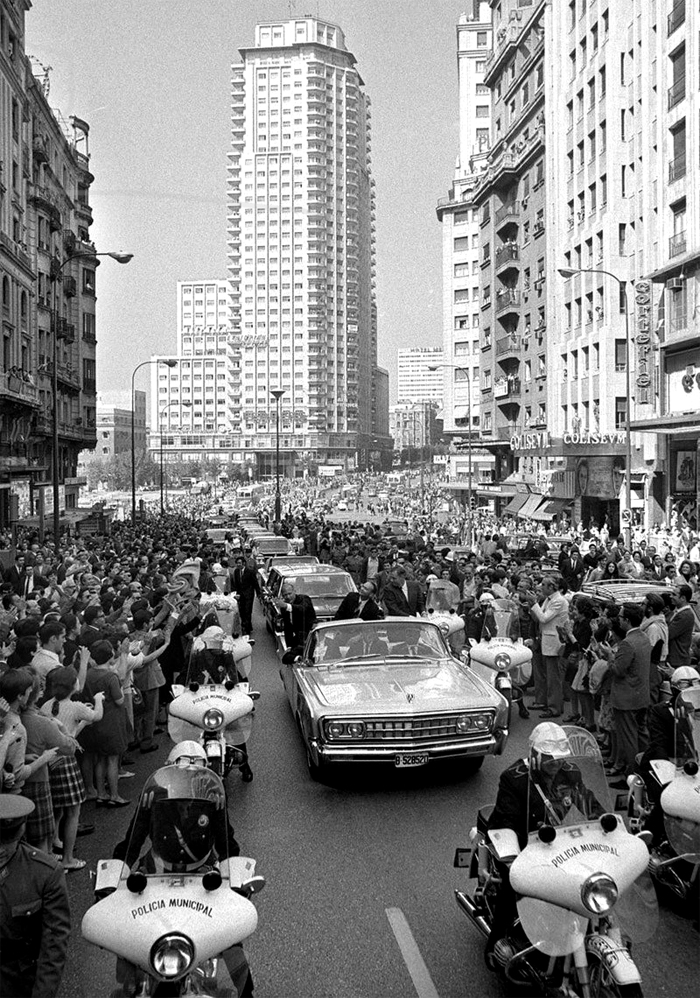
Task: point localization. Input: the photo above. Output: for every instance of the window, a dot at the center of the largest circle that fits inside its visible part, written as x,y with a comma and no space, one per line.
482,39
485,380
483,110
620,355
461,244
620,413
88,281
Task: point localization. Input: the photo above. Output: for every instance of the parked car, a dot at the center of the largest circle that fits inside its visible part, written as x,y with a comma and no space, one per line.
390,692
325,584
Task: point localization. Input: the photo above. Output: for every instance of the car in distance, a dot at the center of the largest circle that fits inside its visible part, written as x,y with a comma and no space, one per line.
326,585
287,561
391,692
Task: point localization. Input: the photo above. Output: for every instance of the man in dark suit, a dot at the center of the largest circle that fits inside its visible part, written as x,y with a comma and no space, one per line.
573,569
402,596
243,581
20,577
362,604
298,615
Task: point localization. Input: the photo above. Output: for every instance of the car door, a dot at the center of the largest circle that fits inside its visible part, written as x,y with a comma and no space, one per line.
269,592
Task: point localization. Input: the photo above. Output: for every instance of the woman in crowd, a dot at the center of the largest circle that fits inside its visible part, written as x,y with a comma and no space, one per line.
67,786
105,740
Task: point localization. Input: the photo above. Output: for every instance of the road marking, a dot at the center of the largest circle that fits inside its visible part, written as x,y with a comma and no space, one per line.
420,975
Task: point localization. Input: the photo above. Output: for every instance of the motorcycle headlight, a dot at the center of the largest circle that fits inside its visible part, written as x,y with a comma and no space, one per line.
213,718
502,660
599,893
172,956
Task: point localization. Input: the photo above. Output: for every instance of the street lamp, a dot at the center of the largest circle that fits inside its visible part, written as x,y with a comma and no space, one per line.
55,272
277,394
165,408
168,363
568,272
465,372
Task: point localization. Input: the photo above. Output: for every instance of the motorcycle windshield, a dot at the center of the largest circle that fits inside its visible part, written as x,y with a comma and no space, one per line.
567,783
442,596
211,659
180,824
687,717
501,620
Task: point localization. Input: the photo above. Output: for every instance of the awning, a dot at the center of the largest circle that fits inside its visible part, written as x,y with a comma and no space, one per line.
517,502
460,412
531,504
551,508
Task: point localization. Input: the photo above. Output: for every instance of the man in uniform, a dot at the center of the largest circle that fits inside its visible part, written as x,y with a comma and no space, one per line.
34,911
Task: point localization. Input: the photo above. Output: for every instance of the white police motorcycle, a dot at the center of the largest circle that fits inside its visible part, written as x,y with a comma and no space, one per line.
176,903
581,883
215,704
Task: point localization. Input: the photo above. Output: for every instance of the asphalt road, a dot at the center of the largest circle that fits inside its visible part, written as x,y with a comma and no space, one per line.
359,895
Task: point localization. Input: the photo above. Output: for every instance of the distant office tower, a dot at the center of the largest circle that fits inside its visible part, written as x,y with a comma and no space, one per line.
461,303
420,374
301,250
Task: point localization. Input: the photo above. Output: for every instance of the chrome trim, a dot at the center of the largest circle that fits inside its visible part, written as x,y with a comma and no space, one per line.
361,752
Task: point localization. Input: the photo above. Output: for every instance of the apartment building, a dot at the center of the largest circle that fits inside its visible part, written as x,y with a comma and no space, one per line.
47,283
459,220
510,199
420,375
301,233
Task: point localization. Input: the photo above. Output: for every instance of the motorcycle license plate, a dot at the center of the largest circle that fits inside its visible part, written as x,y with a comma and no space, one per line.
403,760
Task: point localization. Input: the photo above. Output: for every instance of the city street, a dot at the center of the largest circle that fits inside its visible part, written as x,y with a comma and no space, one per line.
359,895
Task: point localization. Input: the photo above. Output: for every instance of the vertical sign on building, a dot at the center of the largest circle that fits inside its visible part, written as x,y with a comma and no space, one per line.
644,360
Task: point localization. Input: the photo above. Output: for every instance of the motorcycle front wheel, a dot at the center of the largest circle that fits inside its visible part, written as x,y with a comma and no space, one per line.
604,985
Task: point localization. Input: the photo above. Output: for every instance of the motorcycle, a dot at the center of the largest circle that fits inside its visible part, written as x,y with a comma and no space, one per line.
171,910
581,882
675,856
441,604
215,708
501,657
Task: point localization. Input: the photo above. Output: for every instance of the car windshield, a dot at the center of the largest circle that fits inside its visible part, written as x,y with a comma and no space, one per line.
324,585
501,620
384,639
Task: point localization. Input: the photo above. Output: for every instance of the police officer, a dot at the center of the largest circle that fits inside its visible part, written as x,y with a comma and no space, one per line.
34,910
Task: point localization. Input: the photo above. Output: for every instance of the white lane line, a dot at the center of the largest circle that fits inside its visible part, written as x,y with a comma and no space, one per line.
422,981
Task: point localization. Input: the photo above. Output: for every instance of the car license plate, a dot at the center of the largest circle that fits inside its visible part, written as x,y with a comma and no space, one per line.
403,761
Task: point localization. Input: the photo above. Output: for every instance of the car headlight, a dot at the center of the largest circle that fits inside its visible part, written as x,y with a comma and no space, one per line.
356,729
463,724
213,718
334,729
172,956
502,660
599,893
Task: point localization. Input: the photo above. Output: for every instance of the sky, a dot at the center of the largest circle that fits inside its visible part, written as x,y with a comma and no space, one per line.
152,79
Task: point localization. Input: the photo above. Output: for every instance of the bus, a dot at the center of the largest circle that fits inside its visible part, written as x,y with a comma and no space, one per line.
251,492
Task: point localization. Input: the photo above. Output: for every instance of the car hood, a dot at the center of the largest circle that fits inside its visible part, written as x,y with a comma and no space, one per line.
405,685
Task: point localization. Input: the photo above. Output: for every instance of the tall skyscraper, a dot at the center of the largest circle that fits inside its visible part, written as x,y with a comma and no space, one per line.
301,249
461,304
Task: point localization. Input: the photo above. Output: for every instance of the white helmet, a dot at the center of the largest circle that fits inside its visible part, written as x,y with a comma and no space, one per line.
547,741
683,677
187,753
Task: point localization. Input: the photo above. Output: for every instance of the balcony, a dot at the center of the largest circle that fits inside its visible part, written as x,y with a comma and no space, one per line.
65,330
67,375
677,168
676,93
506,255
507,300
15,387
506,388
507,213
677,244
507,345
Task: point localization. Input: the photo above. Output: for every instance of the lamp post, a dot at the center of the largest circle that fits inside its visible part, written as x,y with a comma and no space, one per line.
568,272
467,376
55,273
168,363
277,394
165,408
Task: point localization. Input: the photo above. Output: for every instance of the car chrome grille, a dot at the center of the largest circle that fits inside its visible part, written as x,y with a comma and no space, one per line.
417,728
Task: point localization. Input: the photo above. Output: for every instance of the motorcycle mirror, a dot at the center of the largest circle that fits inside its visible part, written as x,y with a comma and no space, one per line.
254,885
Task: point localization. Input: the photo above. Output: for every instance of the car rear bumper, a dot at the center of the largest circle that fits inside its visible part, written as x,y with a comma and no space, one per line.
325,753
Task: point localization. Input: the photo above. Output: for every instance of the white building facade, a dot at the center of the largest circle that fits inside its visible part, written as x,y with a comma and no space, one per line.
420,375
